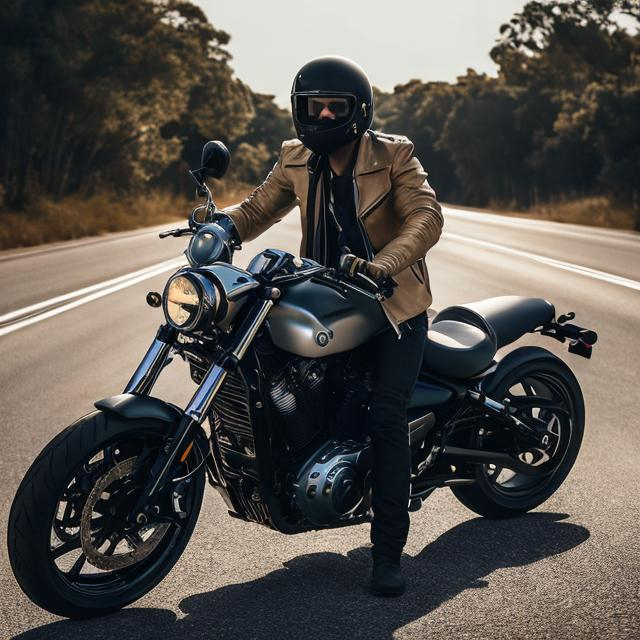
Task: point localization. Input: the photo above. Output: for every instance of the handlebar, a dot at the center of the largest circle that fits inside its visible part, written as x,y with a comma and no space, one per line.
377,289
176,233
380,286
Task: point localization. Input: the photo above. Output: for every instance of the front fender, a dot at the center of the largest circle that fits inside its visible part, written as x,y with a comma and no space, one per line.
133,407
511,361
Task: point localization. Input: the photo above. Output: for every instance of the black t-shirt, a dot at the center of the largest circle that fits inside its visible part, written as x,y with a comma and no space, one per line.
342,224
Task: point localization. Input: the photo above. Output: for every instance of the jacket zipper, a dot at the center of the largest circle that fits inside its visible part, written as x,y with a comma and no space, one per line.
369,248
365,240
374,205
331,210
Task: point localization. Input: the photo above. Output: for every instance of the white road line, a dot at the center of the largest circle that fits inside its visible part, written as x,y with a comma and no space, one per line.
149,273
18,313
599,234
559,264
108,287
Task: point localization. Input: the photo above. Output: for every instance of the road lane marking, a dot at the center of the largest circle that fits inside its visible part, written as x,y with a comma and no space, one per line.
116,284
18,313
559,264
600,234
124,282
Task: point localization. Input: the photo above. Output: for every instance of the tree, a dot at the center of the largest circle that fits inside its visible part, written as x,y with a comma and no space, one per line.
110,93
419,111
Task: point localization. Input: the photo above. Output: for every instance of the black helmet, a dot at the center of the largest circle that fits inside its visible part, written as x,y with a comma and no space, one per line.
341,86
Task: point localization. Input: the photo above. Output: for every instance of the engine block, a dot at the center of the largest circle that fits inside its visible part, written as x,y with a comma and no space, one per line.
333,485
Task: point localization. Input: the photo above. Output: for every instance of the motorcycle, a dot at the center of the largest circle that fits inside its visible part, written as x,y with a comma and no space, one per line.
278,422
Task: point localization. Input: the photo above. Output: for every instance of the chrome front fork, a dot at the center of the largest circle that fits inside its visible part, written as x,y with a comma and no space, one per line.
149,368
200,403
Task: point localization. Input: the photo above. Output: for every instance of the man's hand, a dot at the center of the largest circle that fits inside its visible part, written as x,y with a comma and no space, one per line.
352,264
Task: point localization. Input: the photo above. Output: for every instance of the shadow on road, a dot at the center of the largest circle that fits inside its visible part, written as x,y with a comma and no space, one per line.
323,595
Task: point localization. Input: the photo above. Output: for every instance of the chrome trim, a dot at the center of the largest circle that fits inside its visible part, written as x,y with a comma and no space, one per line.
149,368
418,422
201,401
299,275
199,405
248,337
355,287
239,291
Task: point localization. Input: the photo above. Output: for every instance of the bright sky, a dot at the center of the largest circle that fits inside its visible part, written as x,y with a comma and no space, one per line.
393,40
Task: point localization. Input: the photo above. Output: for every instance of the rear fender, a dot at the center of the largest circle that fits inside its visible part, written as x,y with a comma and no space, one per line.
134,407
510,362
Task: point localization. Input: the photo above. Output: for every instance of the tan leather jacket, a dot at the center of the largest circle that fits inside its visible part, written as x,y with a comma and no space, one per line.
397,207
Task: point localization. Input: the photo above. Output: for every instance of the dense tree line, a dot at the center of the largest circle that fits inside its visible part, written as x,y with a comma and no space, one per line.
562,119
117,94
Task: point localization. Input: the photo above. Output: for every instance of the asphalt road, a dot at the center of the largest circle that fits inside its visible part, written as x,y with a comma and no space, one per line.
74,324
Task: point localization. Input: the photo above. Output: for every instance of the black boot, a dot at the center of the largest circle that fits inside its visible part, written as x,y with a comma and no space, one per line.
387,579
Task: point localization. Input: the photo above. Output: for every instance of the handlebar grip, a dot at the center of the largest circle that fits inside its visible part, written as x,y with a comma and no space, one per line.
176,233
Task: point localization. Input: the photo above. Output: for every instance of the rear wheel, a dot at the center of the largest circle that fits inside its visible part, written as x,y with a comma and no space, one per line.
544,391
71,546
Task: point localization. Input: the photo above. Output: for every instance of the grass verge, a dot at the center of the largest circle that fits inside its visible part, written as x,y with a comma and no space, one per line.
597,211
74,217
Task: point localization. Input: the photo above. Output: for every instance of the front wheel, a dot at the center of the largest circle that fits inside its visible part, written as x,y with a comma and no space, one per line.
545,391
72,548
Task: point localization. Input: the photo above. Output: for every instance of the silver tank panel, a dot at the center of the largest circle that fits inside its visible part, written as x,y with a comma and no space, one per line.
312,319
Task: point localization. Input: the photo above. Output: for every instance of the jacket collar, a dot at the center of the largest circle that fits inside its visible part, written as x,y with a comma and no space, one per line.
371,171
372,156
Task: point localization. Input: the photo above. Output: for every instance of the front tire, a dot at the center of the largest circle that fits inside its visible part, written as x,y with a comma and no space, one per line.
52,525
500,493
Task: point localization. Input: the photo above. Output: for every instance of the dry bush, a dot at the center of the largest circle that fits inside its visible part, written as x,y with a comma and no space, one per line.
596,211
75,217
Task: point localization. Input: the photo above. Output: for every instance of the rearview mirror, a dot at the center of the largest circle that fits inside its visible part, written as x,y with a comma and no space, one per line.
215,159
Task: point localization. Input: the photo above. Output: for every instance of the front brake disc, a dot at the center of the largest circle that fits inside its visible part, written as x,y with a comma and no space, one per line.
109,555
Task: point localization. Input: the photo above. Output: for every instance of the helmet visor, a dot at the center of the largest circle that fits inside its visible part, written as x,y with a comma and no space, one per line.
323,109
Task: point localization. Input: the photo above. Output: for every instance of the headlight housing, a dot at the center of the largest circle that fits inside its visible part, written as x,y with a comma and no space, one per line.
190,301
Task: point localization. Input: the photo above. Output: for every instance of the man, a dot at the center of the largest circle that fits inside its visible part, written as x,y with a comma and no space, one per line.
365,205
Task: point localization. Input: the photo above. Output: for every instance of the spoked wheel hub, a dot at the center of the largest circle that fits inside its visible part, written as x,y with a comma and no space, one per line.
539,401
544,395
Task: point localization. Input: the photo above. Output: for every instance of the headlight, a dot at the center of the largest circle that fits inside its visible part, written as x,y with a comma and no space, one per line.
190,301
182,301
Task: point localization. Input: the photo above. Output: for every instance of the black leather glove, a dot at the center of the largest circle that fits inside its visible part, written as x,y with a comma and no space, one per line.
351,264
224,221
214,241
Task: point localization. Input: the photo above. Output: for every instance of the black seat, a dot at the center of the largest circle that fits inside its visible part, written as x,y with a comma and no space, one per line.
506,317
457,349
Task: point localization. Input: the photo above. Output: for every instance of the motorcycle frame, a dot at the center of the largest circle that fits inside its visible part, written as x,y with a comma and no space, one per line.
240,358
451,465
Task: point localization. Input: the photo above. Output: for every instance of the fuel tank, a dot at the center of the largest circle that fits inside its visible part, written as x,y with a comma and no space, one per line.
313,319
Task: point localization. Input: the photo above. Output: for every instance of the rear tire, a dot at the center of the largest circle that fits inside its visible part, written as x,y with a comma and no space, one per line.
35,523
491,498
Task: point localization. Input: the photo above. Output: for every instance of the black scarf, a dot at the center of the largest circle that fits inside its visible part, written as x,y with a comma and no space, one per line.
318,178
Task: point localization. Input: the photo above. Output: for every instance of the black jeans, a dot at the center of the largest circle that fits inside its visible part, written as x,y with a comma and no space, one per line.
395,364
